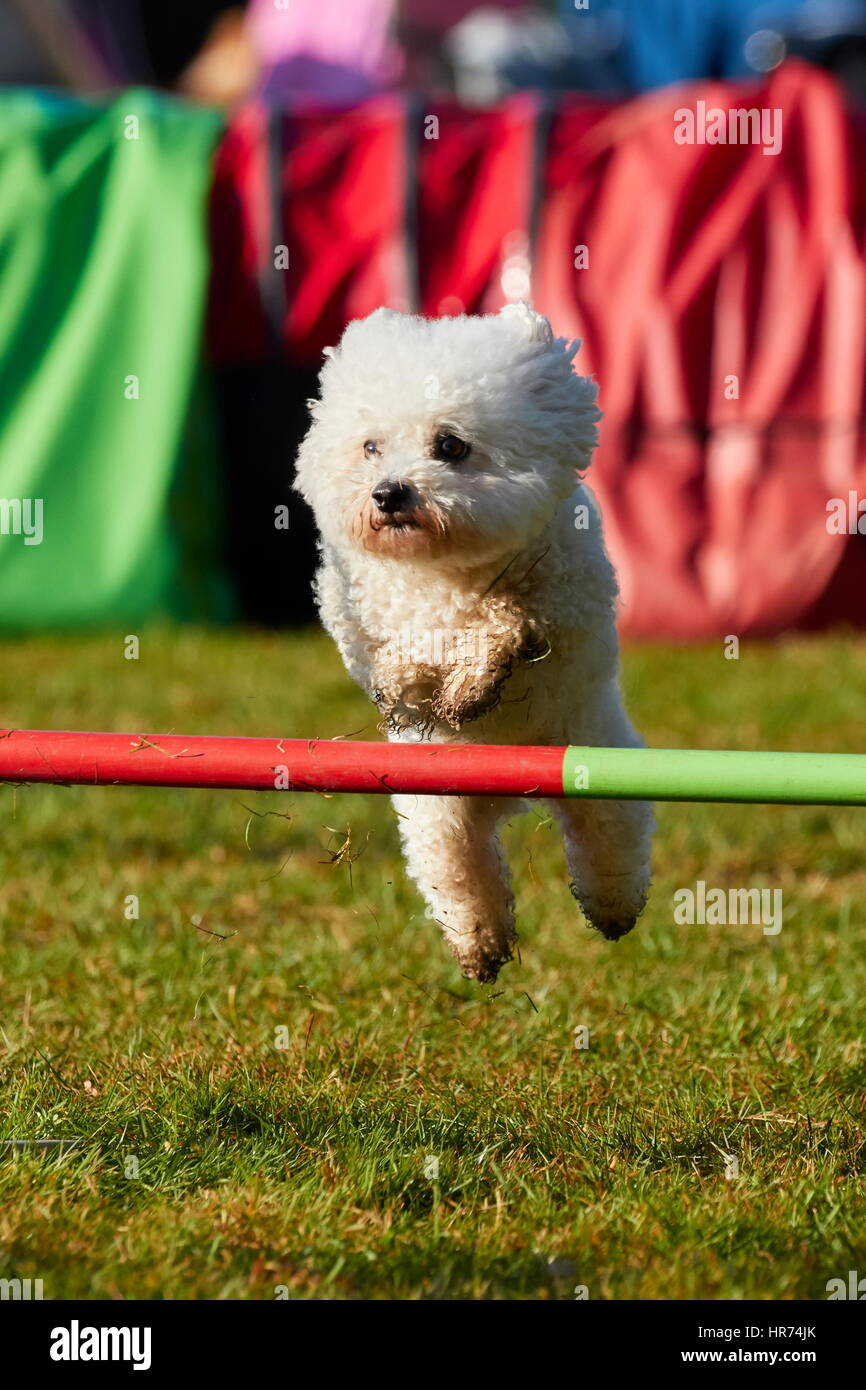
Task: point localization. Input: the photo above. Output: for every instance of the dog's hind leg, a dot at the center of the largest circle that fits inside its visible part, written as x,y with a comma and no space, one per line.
607,851
453,853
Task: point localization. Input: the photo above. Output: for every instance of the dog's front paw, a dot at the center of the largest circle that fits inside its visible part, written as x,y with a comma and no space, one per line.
468,692
467,695
400,694
535,645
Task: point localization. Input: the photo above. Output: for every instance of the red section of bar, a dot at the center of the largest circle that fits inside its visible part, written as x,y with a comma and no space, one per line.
170,760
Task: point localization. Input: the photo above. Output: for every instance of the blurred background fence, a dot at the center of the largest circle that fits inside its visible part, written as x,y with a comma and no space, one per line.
193,204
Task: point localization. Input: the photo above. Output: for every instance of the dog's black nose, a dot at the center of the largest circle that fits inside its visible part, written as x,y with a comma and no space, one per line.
391,497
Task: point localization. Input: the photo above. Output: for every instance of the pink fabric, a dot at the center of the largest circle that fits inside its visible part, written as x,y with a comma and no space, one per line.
324,50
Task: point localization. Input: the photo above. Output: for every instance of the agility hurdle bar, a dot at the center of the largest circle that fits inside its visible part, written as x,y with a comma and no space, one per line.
334,765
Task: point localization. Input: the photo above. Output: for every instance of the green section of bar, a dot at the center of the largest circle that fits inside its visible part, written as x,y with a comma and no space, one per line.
676,774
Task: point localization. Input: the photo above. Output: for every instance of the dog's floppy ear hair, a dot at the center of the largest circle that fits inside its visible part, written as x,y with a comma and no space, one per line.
533,326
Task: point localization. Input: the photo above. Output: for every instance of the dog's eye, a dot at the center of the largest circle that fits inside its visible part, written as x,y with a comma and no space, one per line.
450,449
371,448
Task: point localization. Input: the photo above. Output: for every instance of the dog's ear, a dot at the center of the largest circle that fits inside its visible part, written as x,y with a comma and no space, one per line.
534,327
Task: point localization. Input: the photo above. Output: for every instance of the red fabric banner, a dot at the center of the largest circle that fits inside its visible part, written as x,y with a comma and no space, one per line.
719,290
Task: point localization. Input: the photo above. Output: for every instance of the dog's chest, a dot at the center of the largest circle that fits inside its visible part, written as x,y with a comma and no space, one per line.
389,606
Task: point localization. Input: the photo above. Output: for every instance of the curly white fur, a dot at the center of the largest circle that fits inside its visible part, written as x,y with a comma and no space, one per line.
481,609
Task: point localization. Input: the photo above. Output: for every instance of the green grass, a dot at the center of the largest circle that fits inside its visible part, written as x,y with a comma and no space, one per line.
304,1166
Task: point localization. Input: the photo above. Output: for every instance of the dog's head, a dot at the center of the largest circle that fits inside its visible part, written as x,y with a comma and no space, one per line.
453,439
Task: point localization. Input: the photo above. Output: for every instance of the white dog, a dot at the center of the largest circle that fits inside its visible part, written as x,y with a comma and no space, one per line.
465,581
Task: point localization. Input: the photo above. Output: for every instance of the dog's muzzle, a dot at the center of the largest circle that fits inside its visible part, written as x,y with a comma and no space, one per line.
392,496
396,518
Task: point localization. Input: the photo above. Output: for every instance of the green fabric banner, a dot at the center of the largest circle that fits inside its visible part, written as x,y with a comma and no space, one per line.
108,476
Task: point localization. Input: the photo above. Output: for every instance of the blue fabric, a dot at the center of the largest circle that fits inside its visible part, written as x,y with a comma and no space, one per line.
633,45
